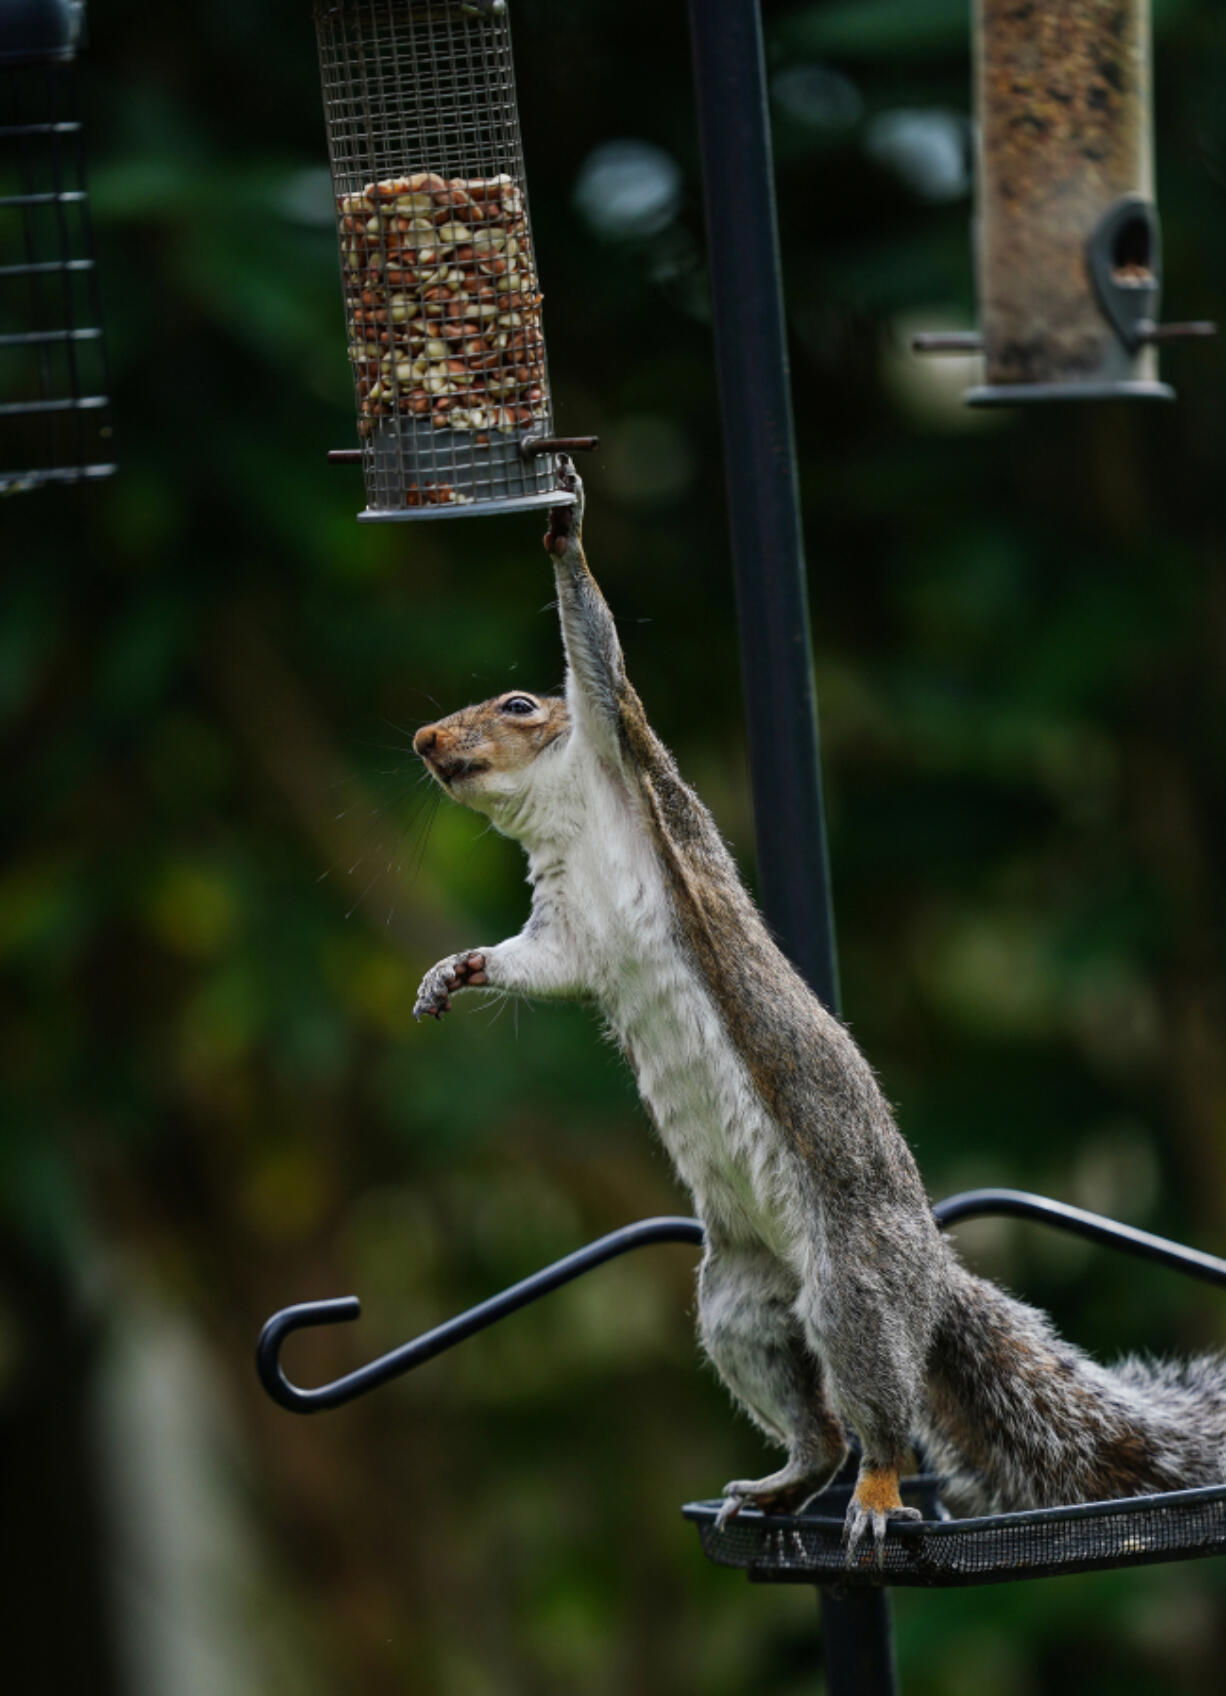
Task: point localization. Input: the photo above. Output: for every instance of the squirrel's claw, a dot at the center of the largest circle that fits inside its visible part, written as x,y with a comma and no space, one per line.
790,1490
728,1510
570,480
861,1520
565,522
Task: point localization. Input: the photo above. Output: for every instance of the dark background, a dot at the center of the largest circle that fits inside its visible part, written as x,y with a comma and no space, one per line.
222,893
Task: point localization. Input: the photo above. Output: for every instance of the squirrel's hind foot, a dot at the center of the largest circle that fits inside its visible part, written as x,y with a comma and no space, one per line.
874,1503
790,1490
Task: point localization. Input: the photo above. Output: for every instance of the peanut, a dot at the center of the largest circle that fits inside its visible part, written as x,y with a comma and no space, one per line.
489,188
459,339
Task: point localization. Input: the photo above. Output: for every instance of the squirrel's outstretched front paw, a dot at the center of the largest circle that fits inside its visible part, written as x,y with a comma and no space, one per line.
874,1503
565,521
457,971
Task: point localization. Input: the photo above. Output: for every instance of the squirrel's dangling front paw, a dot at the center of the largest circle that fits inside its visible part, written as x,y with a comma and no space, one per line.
874,1503
457,971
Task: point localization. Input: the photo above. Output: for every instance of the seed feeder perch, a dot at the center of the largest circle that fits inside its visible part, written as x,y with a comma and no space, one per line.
442,303
1069,255
55,423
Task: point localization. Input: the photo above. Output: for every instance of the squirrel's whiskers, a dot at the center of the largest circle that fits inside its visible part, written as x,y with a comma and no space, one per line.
383,838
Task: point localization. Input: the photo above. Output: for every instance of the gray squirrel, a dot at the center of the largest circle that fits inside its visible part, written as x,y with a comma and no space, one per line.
828,1299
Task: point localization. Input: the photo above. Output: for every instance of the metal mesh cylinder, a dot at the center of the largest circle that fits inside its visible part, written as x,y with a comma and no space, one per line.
55,423
1068,255
442,303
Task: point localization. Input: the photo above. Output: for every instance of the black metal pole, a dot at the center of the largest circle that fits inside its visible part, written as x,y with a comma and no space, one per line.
772,600
859,1643
763,508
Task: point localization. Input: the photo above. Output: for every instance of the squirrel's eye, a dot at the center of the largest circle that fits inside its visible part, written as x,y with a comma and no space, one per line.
519,704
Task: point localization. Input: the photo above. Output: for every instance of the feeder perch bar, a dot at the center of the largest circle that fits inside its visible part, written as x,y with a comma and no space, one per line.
55,417
1069,252
442,297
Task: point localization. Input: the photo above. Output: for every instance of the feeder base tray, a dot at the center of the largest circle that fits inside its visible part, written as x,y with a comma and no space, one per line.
997,1549
1020,394
464,509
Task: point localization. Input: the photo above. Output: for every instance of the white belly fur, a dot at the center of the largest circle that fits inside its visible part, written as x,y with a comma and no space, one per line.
610,894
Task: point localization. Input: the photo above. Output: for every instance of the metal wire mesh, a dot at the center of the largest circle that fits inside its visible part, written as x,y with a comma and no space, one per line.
55,420
442,303
1000,1549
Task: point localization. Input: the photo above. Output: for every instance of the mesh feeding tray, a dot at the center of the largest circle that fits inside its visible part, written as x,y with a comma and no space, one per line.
997,1549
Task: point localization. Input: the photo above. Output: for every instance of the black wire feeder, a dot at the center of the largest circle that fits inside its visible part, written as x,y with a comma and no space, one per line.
442,299
55,412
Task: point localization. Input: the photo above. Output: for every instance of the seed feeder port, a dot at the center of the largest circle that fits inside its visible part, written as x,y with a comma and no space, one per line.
1068,241
438,269
55,411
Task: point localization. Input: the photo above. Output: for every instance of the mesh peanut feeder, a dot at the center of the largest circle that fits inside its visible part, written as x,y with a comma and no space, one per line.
55,423
442,300
1069,257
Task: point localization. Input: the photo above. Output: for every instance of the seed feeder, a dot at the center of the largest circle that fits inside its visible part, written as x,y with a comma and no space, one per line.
442,302
55,424
1069,254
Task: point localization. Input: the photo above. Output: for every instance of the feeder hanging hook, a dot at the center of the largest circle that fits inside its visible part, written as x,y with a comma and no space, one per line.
307,1314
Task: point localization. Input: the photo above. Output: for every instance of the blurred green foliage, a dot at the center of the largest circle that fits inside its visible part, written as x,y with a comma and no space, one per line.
225,878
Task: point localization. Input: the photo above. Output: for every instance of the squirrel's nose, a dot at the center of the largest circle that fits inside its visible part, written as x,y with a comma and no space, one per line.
426,740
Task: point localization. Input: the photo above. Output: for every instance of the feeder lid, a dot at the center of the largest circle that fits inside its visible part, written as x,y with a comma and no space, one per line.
40,29
995,1549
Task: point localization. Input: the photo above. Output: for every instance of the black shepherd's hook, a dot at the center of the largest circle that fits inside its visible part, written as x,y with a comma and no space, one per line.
404,1359
971,1204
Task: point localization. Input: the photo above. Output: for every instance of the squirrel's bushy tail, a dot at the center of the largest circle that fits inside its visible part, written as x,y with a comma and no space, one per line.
1018,1418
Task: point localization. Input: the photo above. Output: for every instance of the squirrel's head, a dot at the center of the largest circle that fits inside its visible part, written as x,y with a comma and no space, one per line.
485,756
